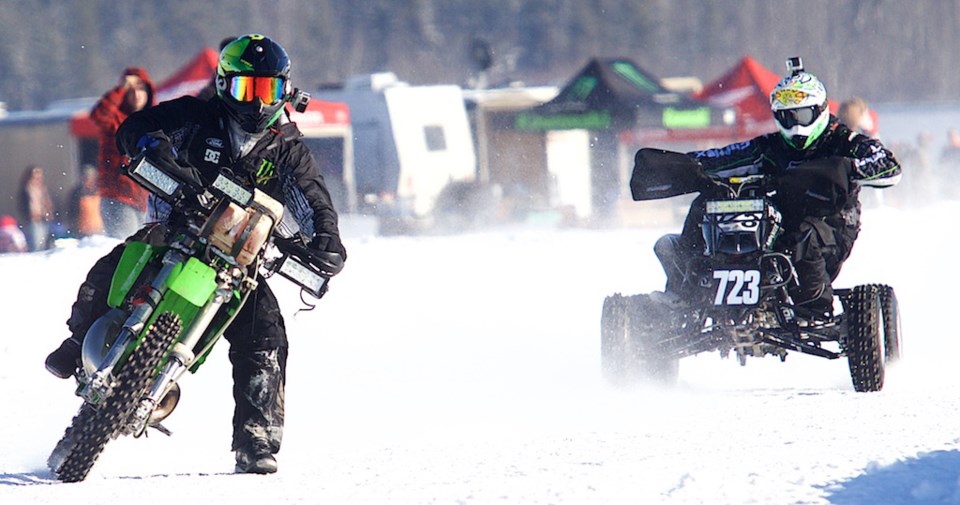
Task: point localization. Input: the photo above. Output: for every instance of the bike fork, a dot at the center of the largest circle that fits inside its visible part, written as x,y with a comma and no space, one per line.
101,381
180,360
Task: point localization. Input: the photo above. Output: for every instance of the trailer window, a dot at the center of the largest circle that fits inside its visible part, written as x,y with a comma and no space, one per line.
435,139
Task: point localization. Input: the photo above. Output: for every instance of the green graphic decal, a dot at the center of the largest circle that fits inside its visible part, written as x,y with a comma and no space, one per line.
632,74
689,118
597,120
265,172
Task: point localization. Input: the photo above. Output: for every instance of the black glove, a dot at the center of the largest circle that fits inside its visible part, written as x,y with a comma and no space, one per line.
158,148
328,242
161,153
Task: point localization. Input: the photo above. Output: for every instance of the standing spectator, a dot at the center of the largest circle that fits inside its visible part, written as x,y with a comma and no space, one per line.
123,203
857,115
36,208
951,152
11,238
85,218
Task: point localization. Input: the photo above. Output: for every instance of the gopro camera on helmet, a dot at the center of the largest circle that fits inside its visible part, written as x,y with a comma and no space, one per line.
299,99
794,65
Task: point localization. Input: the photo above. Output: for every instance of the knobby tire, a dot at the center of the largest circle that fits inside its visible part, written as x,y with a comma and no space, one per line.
92,428
863,346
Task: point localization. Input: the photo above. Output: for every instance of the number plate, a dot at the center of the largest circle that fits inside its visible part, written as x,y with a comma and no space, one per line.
737,287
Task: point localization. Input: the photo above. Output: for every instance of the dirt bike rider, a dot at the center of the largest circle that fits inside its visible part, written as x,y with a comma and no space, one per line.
807,131
244,127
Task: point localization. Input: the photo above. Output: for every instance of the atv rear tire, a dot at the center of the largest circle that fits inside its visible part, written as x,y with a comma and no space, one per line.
631,330
863,344
92,428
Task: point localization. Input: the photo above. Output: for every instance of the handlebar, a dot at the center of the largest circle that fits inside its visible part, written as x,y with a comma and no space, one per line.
328,263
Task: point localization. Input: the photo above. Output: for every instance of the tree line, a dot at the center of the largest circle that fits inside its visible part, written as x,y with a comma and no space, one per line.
883,50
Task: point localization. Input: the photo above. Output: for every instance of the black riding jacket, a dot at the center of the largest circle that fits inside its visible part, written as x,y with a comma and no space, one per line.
279,164
873,165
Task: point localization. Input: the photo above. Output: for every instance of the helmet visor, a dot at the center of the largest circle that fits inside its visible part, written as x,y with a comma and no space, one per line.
246,88
803,116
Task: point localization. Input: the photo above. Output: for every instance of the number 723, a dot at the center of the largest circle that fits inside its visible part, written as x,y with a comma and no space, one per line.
737,287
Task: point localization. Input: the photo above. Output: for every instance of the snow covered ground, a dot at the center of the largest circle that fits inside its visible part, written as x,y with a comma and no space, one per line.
465,369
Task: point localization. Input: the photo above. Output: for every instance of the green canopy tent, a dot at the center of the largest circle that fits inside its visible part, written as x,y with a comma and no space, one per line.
613,98
615,93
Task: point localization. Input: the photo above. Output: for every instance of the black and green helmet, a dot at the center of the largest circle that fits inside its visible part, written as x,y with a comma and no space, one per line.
253,81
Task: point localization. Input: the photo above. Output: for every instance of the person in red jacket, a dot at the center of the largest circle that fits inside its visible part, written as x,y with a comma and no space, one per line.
123,203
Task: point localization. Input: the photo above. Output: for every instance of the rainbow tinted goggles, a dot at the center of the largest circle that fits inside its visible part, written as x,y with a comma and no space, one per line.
245,88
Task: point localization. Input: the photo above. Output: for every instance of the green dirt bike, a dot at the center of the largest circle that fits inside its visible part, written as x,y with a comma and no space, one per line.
171,302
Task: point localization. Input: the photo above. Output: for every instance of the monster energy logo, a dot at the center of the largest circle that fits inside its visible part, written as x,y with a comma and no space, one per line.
265,172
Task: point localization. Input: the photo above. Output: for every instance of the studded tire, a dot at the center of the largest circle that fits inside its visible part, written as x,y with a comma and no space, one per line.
91,429
864,343
890,309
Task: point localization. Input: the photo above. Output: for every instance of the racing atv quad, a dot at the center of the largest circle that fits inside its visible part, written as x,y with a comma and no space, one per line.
735,297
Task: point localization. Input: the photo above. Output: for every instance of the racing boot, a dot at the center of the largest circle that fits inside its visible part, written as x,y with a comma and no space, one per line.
256,457
91,303
65,360
258,389
668,250
815,293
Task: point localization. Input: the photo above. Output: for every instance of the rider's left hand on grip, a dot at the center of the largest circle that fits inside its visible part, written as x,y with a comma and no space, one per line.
328,242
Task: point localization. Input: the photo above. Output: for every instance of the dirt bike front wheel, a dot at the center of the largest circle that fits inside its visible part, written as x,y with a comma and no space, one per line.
92,428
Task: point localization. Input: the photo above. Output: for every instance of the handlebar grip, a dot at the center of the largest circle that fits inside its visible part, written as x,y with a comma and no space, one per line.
329,263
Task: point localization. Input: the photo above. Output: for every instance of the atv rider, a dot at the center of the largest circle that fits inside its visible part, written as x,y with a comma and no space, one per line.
243,128
807,131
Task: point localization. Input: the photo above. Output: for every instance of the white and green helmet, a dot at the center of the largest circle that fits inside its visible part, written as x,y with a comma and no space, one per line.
799,104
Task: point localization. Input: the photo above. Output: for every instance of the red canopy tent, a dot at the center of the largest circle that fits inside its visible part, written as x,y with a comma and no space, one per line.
746,87
191,78
321,120
196,74
188,80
